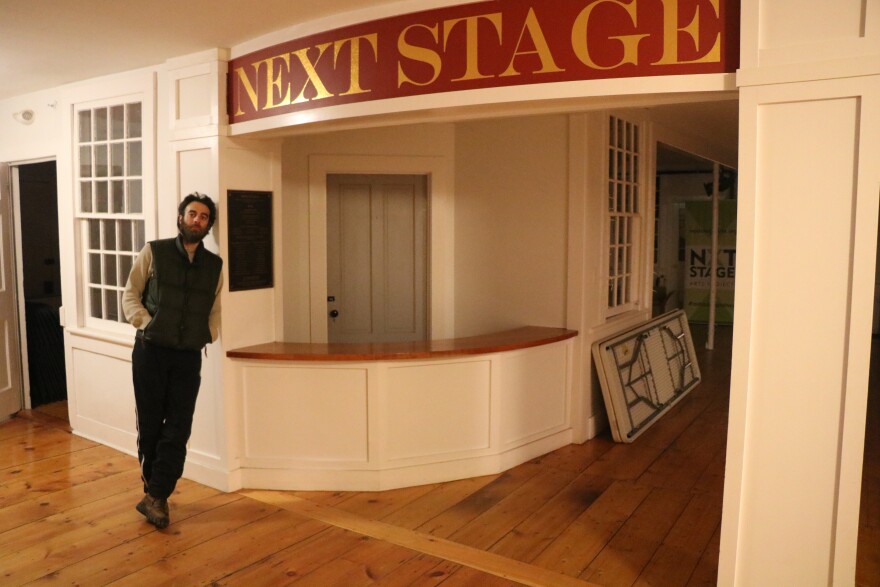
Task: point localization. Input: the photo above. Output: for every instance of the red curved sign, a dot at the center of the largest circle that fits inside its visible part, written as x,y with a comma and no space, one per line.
484,45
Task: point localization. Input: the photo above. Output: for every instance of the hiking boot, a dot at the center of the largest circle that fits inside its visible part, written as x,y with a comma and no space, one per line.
155,509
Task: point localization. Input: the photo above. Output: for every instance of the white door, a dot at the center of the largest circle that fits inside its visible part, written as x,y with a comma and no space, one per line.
10,356
376,258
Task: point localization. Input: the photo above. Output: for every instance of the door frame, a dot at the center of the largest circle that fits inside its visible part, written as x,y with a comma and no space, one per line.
17,253
19,273
9,403
441,233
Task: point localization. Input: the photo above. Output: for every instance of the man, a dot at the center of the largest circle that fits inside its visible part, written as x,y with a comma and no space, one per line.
172,298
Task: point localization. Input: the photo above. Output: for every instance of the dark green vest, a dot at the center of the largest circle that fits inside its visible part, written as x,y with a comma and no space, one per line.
180,294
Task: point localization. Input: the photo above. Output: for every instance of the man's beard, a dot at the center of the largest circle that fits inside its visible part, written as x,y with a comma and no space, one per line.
190,235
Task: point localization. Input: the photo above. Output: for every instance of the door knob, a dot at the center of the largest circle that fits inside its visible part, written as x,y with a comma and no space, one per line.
334,313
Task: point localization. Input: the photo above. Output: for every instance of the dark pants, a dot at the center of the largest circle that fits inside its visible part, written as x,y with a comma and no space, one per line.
166,383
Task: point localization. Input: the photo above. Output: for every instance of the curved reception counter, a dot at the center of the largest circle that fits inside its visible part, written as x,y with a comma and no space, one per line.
366,417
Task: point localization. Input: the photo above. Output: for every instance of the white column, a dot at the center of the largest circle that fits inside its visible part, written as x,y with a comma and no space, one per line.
195,154
809,181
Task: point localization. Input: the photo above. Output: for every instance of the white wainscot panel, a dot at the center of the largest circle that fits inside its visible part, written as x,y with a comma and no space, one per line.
791,33
810,147
194,170
208,419
786,23
105,409
194,98
535,400
195,92
434,410
305,414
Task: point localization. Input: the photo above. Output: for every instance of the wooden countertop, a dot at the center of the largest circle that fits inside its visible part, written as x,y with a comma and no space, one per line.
519,338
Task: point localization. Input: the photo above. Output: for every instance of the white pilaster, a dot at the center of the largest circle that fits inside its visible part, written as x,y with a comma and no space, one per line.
195,154
809,181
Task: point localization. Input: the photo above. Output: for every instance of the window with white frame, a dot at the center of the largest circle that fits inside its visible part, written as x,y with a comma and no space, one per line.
110,203
623,220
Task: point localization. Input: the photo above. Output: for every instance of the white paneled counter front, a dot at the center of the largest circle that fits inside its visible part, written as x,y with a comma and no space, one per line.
366,417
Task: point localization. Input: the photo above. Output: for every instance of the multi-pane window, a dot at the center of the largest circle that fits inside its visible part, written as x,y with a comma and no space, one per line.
110,196
623,214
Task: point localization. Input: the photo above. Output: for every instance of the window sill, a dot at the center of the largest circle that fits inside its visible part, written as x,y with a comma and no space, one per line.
102,335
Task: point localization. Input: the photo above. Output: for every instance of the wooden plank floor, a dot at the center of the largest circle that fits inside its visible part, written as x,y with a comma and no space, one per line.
594,514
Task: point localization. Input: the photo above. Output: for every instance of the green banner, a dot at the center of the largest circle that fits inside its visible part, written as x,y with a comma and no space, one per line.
698,261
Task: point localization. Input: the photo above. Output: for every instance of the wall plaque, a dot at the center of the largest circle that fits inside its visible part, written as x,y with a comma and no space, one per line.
249,222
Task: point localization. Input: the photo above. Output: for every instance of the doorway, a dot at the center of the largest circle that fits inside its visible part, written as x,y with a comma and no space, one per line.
376,258
868,547
36,196
683,236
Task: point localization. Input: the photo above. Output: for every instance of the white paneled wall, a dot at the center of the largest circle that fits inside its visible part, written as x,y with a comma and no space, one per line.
807,239
384,424
101,396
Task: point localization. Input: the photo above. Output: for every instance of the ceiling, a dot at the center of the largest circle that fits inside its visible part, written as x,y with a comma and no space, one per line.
48,43
717,121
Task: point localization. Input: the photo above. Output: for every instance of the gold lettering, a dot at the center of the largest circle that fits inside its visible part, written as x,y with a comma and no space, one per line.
580,32
542,49
311,72
472,70
416,53
671,30
355,86
245,83
273,81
